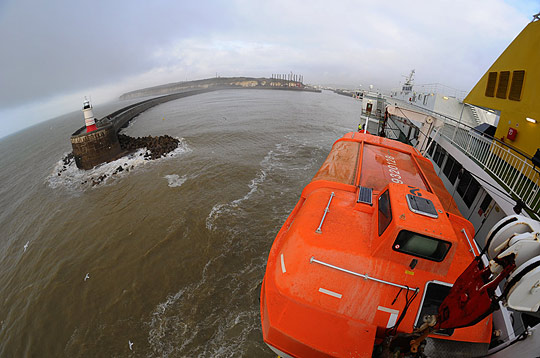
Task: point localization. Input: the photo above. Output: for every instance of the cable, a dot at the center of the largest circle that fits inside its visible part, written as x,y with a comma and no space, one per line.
408,301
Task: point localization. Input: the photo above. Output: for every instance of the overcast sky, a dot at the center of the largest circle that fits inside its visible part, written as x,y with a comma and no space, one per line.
53,53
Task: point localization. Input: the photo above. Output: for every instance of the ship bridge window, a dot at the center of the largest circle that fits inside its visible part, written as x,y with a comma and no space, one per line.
439,155
467,188
385,212
451,169
419,245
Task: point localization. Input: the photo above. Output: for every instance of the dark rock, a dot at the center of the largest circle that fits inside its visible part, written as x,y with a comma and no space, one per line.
67,159
157,147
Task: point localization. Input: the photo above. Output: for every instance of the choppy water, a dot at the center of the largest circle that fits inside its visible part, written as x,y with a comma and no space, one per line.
175,249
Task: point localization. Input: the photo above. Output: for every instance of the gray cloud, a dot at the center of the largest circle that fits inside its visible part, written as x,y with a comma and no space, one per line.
59,46
53,51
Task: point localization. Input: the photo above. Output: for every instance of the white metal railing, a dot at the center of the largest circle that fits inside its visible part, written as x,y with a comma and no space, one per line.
441,89
510,167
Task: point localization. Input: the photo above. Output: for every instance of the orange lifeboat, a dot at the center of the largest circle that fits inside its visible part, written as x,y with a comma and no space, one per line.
372,246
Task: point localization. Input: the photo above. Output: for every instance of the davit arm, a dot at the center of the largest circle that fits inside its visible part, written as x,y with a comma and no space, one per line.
514,244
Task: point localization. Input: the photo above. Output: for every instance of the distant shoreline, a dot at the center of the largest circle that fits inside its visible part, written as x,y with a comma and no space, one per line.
219,83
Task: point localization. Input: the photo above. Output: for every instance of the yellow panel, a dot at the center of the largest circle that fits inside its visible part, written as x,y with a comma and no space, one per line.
521,55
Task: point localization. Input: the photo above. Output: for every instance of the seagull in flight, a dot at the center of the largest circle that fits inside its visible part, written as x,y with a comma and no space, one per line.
130,345
87,276
26,246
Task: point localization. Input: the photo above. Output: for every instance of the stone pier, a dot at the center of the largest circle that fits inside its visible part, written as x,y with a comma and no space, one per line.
101,145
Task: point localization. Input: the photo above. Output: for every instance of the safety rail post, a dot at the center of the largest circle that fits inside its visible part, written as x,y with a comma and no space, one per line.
318,231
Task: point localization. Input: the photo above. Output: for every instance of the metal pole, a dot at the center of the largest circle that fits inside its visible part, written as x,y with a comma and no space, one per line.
367,122
318,231
460,116
364,276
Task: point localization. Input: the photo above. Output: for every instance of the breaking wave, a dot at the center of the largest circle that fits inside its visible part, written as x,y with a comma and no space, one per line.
218,209
172,330
66,174
283,159
175,180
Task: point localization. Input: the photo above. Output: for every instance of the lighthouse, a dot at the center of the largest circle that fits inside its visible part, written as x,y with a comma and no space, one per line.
89,118
92,145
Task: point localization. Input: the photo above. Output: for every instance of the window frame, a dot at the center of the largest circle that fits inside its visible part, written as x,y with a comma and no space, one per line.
400,244
439,155
380,223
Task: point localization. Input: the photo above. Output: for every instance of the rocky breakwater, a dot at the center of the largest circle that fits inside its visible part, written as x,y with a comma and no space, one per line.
156,147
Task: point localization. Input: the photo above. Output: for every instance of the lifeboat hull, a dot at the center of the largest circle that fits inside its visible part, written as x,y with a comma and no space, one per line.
341,276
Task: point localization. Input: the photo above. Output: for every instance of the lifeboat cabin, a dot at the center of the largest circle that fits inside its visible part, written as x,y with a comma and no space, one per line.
372,246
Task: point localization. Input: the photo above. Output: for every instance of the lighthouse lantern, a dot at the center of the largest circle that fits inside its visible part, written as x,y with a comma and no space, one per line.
89,118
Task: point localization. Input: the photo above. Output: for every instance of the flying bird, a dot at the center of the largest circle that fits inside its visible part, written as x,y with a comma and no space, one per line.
26,246
130,345
87,276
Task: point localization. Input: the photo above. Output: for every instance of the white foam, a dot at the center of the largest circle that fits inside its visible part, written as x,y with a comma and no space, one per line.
253,187
167,326
214,213
174,324
174,180
268,163
162,324
72,178
222,343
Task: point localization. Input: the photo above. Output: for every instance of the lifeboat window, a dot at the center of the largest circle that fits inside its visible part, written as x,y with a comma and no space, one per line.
385,212
422,246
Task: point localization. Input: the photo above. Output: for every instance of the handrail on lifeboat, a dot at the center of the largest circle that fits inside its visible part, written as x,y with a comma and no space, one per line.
364,276
318,231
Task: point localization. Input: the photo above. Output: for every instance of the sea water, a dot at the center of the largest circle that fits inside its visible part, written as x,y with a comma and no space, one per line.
173,250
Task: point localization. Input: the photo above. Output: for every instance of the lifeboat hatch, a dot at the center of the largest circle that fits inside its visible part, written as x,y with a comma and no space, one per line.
365,195
434,295
421,206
